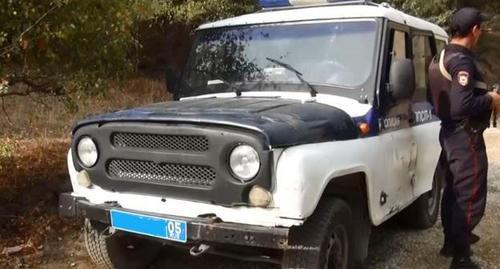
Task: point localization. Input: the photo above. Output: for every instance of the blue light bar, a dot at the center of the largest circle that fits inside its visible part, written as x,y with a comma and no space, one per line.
274,3
286,3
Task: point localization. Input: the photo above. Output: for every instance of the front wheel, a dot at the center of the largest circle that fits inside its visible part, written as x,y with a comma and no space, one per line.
118,250
424,212
324,241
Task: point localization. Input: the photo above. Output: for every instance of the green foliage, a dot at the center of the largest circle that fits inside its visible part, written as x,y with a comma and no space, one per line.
66,39
51,45
194,12
5,150
440,11
82,44
437,11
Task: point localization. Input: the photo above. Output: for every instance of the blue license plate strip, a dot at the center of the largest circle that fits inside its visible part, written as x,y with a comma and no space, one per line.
168,229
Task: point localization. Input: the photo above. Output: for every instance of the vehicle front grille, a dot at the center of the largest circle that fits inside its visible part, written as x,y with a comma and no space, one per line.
163,174
175,160
160,142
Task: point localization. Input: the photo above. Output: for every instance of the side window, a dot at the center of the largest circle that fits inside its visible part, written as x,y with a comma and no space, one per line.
396,113
397,50
440,44
399,47
422,56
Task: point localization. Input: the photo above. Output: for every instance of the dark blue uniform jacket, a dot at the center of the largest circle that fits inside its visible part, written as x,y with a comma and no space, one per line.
459,100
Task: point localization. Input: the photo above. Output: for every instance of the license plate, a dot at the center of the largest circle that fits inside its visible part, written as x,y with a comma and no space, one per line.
168,229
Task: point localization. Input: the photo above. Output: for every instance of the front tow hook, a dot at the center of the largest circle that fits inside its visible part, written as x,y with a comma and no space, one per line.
199,250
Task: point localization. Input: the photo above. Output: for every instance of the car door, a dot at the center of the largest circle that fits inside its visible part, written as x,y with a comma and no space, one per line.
396,134
425,125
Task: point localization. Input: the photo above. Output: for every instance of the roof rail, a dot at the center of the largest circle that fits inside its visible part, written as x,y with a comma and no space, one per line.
339,3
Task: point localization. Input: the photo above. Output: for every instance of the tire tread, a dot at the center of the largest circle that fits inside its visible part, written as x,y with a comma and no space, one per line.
306,239
96,246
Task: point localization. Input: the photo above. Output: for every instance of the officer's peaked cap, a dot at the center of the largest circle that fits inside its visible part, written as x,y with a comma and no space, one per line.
464,19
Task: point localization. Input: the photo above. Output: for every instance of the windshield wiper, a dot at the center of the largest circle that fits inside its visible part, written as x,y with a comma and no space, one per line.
299,75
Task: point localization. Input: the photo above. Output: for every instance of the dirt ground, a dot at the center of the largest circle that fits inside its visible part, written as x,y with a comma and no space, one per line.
392,246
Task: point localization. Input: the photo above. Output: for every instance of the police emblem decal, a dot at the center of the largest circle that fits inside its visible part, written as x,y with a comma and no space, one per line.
463,78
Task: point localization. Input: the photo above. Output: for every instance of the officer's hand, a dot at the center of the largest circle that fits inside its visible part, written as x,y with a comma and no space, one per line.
495,104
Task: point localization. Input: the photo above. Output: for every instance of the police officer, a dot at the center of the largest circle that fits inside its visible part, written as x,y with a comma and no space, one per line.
464,105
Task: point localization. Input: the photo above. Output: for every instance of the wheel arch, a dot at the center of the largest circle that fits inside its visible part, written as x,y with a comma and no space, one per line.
353,189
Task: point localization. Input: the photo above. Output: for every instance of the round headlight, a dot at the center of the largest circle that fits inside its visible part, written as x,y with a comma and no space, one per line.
87,152
244,162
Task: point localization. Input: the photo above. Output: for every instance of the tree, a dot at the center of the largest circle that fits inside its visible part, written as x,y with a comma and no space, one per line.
49,46
437,11
167,34
440,11
195,12
46,44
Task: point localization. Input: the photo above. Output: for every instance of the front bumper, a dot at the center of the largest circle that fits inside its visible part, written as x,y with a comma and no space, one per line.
199,230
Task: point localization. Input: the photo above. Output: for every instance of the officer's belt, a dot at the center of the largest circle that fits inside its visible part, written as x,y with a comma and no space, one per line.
478,84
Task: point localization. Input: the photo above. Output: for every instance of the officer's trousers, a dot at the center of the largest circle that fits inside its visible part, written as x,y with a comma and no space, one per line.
464,166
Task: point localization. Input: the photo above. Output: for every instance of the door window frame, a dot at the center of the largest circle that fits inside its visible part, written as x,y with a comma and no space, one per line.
429,36
383,102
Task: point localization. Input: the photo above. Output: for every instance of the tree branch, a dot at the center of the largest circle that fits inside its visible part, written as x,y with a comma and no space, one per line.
26,93
10,48
42,85
37,21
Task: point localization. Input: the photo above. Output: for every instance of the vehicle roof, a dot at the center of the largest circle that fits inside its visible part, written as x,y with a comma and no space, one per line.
325,12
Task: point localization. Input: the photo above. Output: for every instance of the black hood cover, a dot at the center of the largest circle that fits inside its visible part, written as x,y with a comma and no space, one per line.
282,122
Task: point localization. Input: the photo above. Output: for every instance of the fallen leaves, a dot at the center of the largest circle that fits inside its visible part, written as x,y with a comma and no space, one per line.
32,172
24,163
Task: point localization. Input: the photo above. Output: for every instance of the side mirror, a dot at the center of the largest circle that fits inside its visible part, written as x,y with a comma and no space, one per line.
402,79
173,79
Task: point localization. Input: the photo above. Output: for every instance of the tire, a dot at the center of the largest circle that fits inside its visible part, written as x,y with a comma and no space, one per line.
119,250
324,241
424,212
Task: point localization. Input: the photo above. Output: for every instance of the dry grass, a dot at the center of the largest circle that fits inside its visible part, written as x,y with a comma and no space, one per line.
48,117
30,161
34,139
32,173
35,133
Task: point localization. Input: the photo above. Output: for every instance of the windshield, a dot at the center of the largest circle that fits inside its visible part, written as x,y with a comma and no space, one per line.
340,54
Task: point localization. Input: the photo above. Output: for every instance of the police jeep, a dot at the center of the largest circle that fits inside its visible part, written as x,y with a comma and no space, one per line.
294,131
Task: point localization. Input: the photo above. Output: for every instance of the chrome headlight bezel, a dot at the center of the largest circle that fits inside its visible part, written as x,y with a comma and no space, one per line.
244,162
87,151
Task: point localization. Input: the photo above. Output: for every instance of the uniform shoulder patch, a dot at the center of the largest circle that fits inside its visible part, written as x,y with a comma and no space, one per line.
463,78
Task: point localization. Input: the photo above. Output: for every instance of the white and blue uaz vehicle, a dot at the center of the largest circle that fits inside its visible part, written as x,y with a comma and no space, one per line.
294,131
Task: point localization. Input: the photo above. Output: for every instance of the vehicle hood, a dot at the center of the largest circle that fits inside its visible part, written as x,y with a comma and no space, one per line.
282,122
